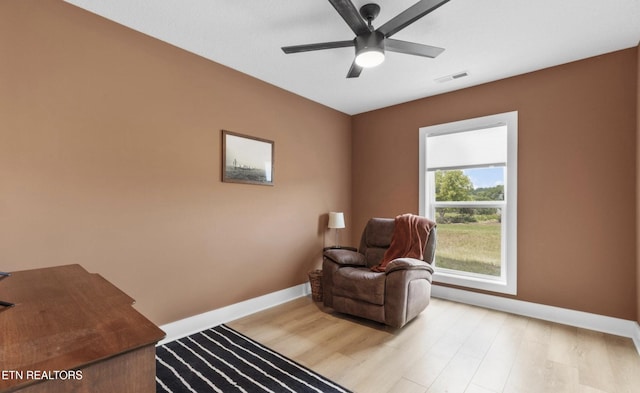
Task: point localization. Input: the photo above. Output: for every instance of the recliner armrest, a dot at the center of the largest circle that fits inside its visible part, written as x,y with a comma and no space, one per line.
408,264
346,257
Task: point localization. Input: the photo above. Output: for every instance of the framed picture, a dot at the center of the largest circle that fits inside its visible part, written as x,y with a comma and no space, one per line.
247,159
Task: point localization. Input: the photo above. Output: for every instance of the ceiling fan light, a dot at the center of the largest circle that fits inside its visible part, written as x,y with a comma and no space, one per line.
370,58
369,49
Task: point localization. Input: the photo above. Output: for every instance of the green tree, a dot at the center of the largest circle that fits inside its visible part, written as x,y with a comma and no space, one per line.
495,193
453,186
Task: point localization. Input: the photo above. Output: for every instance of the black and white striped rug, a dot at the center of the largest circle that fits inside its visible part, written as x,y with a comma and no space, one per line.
223,360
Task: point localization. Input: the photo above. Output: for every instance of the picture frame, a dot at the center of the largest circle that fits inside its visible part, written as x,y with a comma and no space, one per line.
247,159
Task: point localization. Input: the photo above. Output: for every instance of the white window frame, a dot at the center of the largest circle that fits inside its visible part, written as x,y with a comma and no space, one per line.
507,282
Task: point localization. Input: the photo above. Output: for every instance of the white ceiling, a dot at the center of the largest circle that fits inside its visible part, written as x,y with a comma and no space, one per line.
490,39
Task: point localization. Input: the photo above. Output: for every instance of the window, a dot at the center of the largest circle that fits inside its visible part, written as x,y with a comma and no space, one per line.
468,185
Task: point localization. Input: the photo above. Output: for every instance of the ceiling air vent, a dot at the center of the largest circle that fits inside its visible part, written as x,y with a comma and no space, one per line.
451,77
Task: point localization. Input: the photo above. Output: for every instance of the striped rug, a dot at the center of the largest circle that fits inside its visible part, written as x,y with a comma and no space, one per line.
222,360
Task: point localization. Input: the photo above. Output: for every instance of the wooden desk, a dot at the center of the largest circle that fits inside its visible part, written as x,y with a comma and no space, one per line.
75,328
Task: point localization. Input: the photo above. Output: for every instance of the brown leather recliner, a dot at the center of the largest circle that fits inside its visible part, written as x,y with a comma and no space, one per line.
393,297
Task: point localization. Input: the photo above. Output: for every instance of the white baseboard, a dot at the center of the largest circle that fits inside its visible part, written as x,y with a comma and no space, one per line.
636,337
196,323
599,323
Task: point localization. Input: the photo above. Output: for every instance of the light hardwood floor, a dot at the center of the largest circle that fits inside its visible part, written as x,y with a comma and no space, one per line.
450,347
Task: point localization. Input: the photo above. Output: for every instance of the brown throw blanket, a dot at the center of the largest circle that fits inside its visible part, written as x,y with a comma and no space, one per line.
409,238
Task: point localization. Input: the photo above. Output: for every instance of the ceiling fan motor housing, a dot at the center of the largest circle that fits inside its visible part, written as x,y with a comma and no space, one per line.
369,46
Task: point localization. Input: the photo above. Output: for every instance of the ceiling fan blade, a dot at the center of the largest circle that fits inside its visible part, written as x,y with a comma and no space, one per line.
354,71
410,15
412,48
318,46
350,14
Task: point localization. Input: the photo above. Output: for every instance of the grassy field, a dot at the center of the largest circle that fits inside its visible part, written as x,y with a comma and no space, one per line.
473,247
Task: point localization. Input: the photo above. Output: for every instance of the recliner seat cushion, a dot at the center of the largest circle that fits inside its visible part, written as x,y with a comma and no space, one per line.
359,284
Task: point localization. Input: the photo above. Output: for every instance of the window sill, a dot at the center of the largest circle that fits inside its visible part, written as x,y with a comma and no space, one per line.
498,285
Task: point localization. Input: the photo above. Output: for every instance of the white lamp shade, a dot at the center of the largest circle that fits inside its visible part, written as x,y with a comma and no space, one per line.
336,220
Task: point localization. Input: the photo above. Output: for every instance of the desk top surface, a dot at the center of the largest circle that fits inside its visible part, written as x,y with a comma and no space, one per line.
65,318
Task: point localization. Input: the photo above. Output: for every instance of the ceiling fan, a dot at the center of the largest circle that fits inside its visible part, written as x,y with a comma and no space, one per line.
371,43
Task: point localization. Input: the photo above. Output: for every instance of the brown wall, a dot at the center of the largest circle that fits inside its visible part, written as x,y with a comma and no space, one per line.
110,157
576,175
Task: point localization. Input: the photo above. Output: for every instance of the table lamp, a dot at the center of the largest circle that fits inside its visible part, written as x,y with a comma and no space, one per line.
336,221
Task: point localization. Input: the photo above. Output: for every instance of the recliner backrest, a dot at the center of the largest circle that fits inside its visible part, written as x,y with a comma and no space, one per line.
376,239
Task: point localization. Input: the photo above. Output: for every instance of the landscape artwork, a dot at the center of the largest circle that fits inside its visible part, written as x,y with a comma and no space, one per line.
247,159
